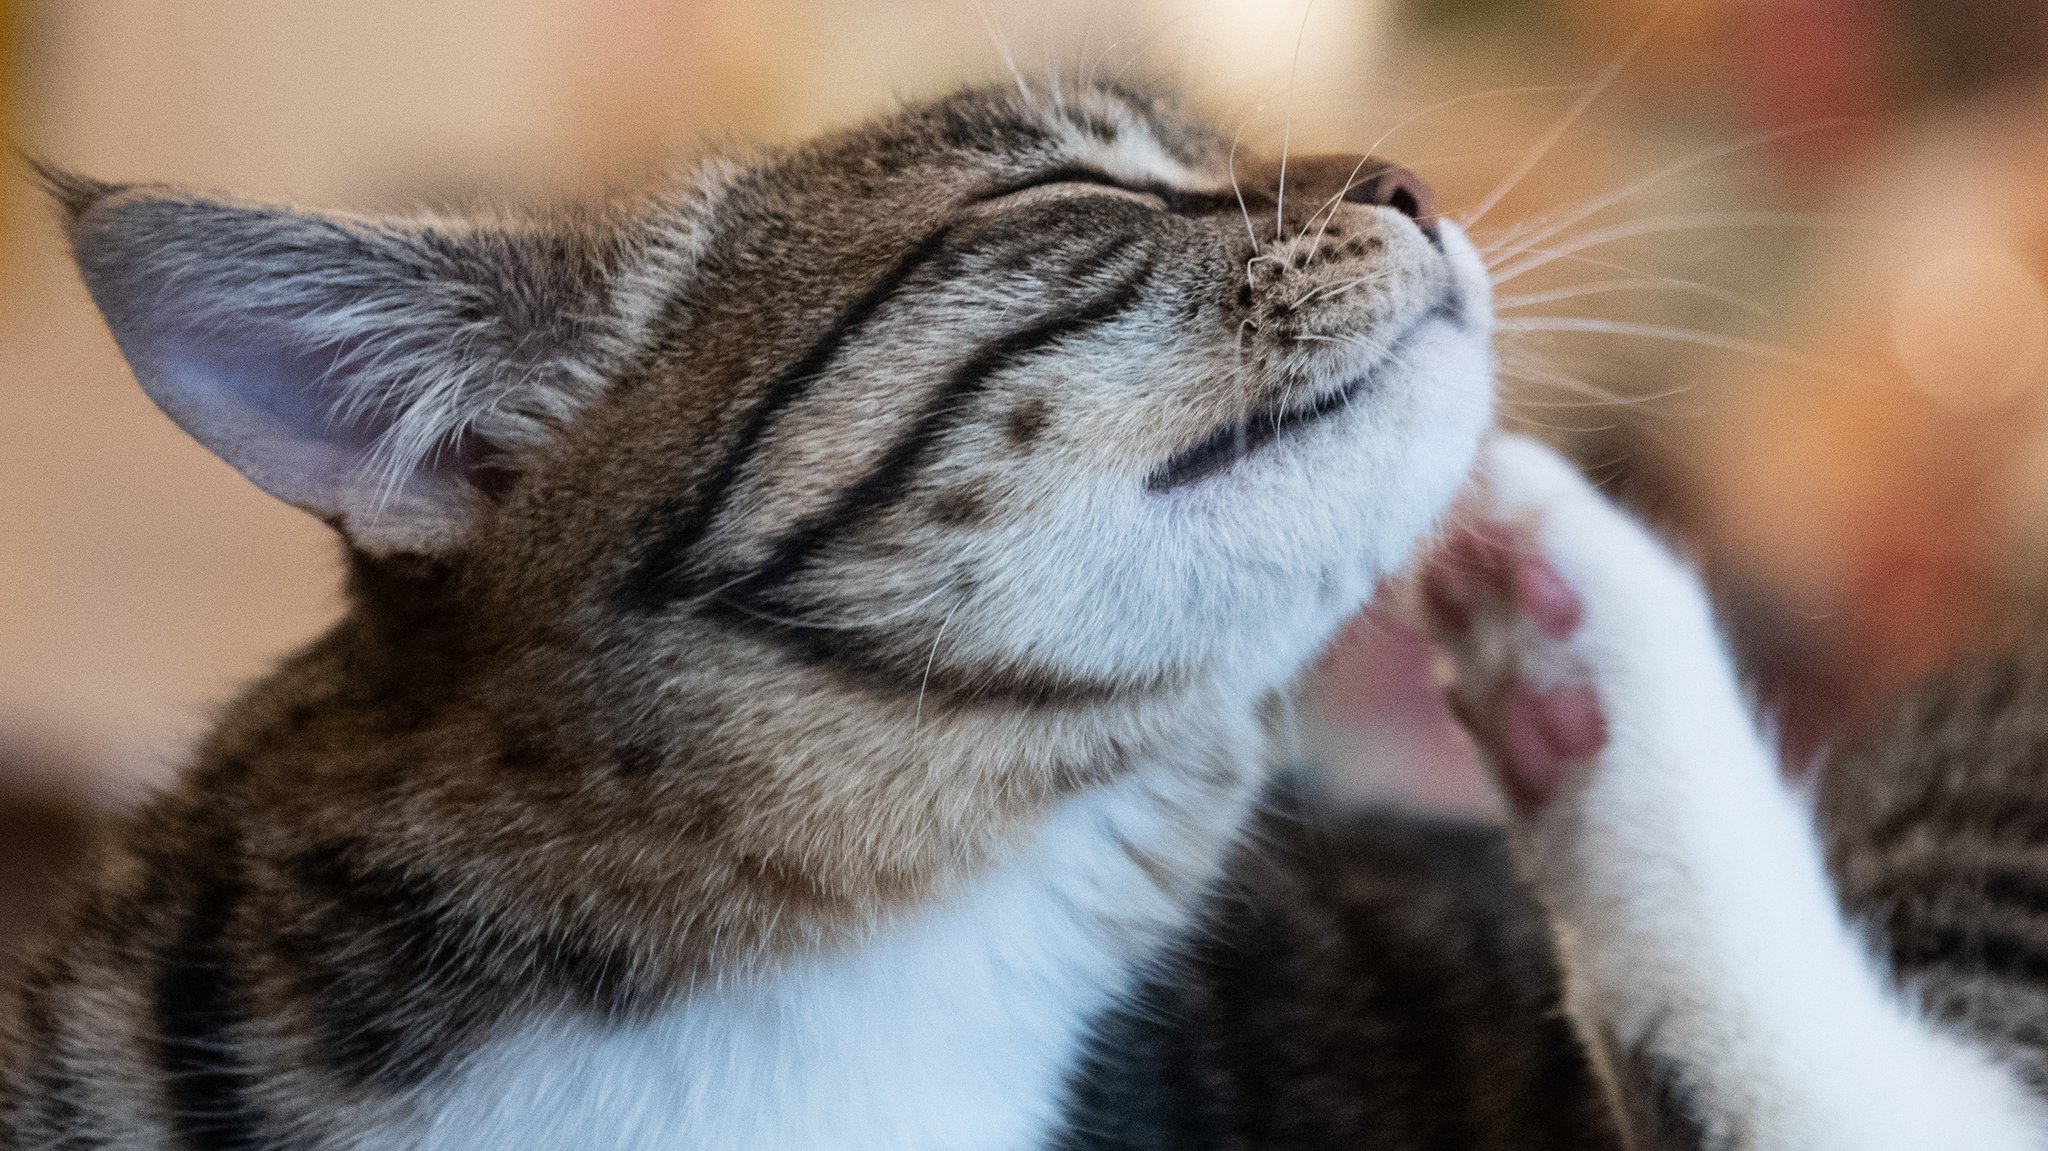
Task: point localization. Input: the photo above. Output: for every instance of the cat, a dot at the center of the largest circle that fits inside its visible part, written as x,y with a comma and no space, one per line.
817,637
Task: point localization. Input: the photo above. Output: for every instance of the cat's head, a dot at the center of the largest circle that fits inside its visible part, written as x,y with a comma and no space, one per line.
992,399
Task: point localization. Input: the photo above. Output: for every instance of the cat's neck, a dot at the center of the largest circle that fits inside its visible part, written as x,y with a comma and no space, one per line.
953,1025
715,817
828,917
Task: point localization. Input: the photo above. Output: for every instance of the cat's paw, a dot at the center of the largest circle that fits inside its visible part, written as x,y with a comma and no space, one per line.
1567,625
1507,618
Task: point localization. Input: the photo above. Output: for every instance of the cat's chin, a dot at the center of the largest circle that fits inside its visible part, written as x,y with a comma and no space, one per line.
1231,443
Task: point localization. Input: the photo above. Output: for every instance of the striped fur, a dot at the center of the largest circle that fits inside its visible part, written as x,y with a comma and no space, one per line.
1938,838
743,575
814,645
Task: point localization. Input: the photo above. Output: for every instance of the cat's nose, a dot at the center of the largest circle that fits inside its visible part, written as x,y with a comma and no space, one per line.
1392,186
1316,182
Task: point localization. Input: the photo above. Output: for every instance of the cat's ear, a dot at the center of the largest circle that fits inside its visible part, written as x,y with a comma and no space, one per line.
381,375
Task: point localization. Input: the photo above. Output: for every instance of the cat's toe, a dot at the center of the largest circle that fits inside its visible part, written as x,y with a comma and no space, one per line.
1567,626
1533,738
1507,619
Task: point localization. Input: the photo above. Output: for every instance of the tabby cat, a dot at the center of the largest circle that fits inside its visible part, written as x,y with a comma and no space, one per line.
816,637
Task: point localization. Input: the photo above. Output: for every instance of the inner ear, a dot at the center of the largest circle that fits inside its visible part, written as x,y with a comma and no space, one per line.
385,376
299,398
279,411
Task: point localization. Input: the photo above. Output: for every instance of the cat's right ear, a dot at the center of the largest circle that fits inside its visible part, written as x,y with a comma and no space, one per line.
383,375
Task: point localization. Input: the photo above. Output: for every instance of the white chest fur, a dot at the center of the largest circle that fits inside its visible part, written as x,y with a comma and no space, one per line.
953,1028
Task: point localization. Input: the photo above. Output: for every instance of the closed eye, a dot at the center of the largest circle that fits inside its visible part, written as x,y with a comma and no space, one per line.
1079,181
1076,182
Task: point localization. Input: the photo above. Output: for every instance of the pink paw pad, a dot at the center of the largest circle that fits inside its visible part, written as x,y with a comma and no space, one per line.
1489,575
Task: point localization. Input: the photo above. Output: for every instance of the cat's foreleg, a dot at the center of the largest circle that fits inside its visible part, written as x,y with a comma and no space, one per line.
1707,958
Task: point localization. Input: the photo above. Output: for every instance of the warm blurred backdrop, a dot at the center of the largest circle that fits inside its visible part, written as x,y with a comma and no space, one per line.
1780,282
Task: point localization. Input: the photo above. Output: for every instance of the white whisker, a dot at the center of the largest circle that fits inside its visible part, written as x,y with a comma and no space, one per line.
1564,124
1052,74
1640,284
1082,70
1336,199
1632,271
930,661
1330,207
1377,348
829,625
1238,191
1525,421
1002,49
1597,396
1592,326
1332,291
1152,39
1287,125
1660,225
1607,200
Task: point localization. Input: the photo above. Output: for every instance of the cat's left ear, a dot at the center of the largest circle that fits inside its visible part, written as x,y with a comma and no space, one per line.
385,376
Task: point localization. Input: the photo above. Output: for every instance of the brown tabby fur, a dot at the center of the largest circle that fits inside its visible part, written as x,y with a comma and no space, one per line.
1936,821
495,788
641,684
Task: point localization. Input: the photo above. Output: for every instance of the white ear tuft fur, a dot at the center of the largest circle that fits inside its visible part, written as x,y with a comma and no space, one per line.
366,371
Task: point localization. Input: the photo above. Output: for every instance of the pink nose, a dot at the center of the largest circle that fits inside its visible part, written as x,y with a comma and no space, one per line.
1392,186
1318,180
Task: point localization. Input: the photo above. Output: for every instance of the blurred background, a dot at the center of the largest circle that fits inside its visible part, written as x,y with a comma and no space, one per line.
1772,269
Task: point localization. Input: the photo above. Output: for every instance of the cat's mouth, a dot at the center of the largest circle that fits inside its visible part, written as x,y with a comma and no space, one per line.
1234,441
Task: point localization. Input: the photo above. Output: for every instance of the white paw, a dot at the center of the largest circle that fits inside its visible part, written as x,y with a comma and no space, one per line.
1683,880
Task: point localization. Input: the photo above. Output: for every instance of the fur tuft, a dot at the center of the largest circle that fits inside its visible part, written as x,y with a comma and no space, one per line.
74,192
